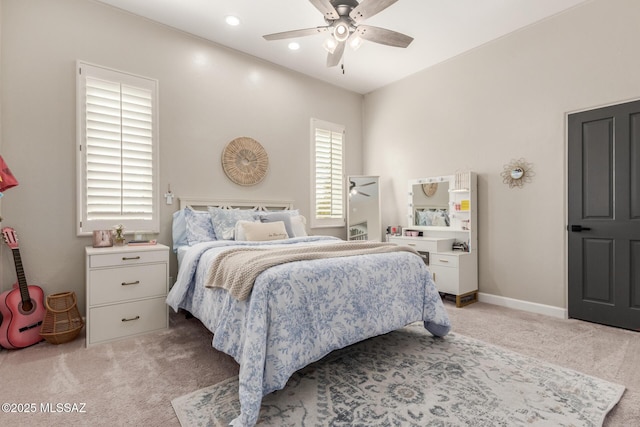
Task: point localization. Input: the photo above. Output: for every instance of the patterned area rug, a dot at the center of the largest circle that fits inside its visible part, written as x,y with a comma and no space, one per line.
409,378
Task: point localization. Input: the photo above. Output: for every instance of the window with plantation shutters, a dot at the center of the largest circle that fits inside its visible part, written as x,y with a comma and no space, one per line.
117,150
328,174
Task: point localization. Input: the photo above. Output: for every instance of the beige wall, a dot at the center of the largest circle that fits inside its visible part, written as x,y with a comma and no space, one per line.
506,100
208,96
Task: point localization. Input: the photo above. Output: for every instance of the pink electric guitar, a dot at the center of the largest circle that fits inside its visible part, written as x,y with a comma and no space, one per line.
22,307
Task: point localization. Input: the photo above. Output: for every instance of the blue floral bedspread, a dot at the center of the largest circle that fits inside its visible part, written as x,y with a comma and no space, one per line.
299,312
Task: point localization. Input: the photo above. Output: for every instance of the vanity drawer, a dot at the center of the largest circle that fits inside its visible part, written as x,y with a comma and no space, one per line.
118,259
444,260
110,285
123,320
424,244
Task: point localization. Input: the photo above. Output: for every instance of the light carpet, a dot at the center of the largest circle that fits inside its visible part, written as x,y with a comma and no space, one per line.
410,378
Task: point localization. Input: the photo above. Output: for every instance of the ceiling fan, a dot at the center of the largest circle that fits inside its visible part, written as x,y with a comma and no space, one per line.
344,22
353,191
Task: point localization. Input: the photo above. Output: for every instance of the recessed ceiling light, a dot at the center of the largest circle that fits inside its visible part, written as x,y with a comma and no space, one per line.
294,46
232,20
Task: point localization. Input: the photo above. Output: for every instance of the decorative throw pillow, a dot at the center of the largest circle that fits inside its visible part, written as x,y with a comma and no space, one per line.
179,230
445,215
224,220
299,226
440,218
263,231
198,225
238,233
279,216
423,218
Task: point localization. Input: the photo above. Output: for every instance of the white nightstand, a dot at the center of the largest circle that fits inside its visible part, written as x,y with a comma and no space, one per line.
126,291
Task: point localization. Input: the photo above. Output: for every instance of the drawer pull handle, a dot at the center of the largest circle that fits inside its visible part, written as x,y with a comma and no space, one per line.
443,260
125,258
411,244
130,283
129,320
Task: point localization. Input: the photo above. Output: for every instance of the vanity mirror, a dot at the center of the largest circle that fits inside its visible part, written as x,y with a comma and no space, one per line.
429,202
443,203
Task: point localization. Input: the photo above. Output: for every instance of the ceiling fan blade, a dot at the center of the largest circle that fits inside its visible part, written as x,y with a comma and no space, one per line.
296,33
368,8
368,183
334,58
383,36
326,8
364,194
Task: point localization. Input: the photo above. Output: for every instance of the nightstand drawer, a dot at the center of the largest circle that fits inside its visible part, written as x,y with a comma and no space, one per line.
127,258
122,320
127,283
444,260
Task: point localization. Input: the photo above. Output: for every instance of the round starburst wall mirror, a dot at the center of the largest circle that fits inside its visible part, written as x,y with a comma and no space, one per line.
245,161
516,173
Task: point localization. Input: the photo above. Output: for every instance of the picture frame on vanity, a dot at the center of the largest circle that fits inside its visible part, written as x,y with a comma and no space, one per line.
102,239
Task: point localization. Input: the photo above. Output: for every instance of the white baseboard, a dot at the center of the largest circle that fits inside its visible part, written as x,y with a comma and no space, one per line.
532,307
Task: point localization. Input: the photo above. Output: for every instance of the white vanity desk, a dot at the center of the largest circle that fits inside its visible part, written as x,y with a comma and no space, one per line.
455,273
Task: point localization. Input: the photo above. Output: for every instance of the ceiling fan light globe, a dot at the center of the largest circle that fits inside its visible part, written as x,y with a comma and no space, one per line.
330,45
355,43
341,32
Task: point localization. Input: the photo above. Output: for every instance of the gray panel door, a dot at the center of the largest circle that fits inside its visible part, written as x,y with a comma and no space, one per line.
604,215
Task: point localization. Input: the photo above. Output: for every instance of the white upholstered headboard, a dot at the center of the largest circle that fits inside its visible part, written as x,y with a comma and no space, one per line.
200,203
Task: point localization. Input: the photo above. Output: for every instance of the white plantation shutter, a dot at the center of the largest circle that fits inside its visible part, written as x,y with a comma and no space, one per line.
118,150
328,179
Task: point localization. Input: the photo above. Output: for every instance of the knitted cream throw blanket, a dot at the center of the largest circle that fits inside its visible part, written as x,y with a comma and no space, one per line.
236,269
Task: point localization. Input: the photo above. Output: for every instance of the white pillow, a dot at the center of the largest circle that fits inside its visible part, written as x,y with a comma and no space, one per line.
238,234
299,226
279,217
263,231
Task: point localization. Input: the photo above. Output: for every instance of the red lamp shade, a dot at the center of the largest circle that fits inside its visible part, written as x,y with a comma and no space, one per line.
7,180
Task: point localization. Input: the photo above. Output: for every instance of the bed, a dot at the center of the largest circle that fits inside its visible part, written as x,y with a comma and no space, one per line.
297,312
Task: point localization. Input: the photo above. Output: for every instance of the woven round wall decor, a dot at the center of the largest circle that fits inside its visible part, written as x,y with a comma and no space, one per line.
430,189
245,161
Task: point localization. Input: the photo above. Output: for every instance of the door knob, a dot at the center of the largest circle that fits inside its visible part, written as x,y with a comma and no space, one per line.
579,228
